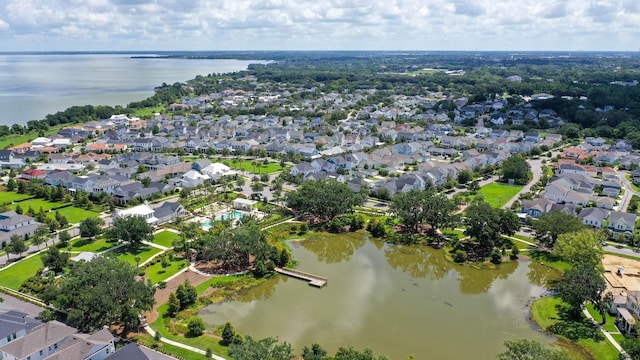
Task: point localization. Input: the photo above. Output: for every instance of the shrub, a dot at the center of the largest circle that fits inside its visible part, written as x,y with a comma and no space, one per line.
514,252
496,256
303,229
196,326
459,256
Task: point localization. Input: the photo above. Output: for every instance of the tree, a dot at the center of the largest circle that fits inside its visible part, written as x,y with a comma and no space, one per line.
268,348
64,237
102,292
17,246
62,220
483,224
55,259
133,229
549,226
525,349
196,326
11,184
323,199
186,294
173,305
228,332
464,176
580,247
352,354
90,227
582,282
316,352
416,207
40,236
516,168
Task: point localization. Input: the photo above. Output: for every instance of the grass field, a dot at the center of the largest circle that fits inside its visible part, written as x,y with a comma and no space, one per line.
174,351
165,238
157,273
258,168
147,113
12,140
498,194
15,275
96,246
128,253
545,313
7,197
36,204
610,325
74,214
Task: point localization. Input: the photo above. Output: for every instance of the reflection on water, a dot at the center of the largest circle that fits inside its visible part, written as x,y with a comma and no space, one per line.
397,300
335,249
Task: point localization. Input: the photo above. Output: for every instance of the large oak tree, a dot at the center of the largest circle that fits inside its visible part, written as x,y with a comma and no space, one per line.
323,199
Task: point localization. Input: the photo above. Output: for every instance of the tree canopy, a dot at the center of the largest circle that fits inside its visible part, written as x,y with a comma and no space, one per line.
134,229
485,224
549,226
516,168
265,349
323,199
416,207
102,292
580,247
525,349
90,227
582,282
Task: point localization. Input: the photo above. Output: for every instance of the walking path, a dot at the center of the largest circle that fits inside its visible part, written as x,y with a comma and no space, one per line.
606,334
152,332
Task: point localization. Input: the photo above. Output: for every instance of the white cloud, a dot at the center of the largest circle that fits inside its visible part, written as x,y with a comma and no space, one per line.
319,24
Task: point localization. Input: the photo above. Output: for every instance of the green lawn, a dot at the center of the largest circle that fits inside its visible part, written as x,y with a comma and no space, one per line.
258,168
74,214
12,140
549,260
201,342
97,245
498,194
36,204
15,275
128,253
147,112
545,313
610,325
177,352
165,238
8,197
156,273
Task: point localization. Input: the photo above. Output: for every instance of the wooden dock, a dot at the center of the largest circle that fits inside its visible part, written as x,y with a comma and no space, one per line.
314,280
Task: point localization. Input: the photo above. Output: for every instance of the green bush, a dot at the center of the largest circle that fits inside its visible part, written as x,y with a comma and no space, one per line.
196,326
459,256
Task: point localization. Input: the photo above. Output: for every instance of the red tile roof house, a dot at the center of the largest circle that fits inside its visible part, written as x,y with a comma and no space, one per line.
30,174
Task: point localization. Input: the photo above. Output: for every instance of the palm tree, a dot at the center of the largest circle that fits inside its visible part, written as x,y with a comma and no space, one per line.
137,259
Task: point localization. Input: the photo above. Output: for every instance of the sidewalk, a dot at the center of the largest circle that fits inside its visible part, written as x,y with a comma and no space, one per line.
181,345
605,333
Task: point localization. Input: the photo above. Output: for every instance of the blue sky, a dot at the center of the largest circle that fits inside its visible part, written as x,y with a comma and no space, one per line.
58,25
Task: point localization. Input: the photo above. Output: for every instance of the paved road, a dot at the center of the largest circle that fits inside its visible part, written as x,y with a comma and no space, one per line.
33,249
628,191
536,170
13,303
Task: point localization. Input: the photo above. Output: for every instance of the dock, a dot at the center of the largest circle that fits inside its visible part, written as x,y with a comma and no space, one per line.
314,280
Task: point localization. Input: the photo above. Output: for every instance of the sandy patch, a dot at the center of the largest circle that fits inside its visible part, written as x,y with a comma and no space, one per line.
629,279
162,295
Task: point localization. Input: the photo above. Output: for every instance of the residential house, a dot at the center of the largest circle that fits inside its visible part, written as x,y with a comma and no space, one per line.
536,207
192,178
593,217
169,211
142,210
15,324
622,221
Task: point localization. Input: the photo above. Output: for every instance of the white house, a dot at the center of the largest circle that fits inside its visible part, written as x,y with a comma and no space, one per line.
192,178
217,170
142,210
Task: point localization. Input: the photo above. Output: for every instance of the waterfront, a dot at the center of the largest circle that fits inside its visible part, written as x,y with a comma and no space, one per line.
34,85
397,300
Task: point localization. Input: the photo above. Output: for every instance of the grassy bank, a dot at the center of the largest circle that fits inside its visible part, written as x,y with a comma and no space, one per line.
548,313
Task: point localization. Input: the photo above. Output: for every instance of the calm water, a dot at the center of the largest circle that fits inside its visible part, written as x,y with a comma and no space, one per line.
32,86
396,300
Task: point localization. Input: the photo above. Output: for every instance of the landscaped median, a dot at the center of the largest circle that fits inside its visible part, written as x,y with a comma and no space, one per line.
580,338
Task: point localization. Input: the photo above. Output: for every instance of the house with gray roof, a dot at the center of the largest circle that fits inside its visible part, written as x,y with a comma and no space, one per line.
622,221
15,324
593,217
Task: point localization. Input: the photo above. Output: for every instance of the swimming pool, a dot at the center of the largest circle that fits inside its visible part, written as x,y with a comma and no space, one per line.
229,215
226,216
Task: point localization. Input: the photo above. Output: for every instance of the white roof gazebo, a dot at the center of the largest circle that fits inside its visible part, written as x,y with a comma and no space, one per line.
244,204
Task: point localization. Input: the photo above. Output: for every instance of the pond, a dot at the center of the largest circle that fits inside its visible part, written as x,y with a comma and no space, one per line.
396,300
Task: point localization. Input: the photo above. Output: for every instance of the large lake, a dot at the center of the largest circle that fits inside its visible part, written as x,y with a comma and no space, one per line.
32,86
396,300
